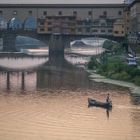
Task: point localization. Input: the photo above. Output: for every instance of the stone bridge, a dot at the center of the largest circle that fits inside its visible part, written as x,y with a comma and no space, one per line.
9,37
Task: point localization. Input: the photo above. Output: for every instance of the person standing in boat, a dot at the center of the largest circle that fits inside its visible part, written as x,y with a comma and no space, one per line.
108,98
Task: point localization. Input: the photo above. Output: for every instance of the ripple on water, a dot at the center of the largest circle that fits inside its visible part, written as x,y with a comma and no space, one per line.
66,115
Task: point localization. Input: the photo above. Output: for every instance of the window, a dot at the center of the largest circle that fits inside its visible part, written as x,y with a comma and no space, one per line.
103,24
96,23
102,31
45,13
120,13
79,23
14,12
74,13
1,12
49,23
87,30
79,29
110,31
70,18
49,29
89,13
41,22
41,29
116,32
95,30
105,13
60,13
30,12
49,17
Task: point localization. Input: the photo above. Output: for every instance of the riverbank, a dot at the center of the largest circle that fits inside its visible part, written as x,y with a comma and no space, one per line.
98,78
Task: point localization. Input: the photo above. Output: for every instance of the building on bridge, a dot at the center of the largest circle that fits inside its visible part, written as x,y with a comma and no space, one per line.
135,16
119,28
84,19
57,24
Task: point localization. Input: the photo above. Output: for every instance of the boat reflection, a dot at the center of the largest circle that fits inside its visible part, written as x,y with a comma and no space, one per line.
108,110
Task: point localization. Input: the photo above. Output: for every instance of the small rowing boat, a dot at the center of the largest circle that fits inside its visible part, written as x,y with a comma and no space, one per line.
92,102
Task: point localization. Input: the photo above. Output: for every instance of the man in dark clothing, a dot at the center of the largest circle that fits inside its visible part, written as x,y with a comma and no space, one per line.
108,98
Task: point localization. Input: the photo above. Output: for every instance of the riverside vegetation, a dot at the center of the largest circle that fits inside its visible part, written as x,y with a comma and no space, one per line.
112,64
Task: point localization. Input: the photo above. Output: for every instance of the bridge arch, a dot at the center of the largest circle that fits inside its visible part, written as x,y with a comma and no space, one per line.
103,37
24,42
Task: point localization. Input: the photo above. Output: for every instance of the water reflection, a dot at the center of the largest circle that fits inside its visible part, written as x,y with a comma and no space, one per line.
57,73
107,110
59,111
11,81
21,63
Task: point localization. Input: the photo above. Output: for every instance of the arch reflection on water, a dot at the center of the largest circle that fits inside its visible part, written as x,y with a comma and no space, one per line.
19,73
24,63
61,74
50,74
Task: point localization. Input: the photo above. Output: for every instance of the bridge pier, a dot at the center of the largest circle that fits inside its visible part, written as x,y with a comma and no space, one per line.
66,40
23,80
56,48
8,80
9,40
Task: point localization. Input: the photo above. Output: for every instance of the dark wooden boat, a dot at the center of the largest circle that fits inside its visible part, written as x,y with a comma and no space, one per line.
92,102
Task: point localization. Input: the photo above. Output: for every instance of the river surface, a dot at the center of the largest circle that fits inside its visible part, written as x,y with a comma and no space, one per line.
51,104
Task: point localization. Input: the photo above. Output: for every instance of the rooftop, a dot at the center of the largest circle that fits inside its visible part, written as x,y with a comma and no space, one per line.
61,5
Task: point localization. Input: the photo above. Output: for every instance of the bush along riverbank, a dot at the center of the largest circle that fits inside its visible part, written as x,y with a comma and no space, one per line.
114,66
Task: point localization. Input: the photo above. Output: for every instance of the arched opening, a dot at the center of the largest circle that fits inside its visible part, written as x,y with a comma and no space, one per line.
25,42
3,23
30,23
15,23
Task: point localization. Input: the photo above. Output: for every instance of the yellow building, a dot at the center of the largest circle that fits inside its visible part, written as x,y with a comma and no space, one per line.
119,28
127,20
57,24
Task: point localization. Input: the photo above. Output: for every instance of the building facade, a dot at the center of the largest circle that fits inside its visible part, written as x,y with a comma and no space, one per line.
135,16
119,28
88,19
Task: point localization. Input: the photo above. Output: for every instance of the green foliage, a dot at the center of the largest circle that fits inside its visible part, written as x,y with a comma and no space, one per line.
121,76
112,46
137,80
115,68
93,64
138,61
132,71
108,44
